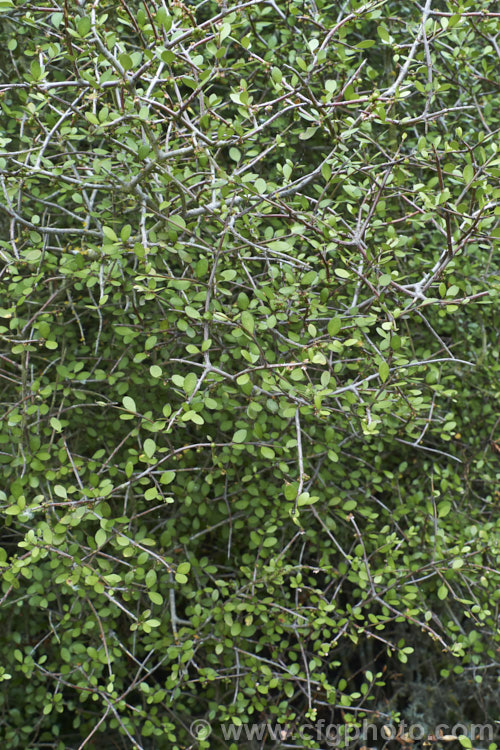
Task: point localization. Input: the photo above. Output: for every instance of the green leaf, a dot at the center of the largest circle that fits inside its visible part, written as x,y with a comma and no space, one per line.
201,267
100,537
443,508
151,578
125,61
193,416
190,382
308,133
149,447
442,592
167,477
192,312
239,436
125,233
155,597
55,424
83,25
224,31
235,154
334,326
267,452
383,371
35,67
306,499
129,404
383,33
270,541
177,221
276,75
110,234
247,321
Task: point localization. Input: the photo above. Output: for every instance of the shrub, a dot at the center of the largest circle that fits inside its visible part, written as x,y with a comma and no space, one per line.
248,441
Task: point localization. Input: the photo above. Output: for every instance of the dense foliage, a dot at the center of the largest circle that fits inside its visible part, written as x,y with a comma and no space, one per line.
249,367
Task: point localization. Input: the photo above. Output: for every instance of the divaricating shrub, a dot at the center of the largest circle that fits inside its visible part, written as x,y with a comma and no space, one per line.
249,369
